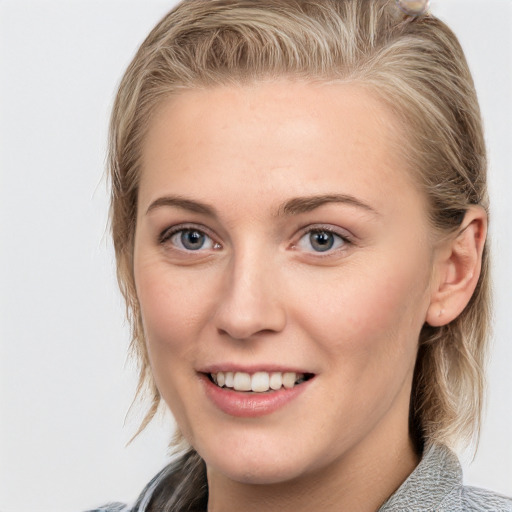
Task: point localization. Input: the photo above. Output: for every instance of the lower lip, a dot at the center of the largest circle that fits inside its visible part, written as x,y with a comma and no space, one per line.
248,404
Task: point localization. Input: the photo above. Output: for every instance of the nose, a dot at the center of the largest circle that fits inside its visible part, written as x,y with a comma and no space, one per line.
251,301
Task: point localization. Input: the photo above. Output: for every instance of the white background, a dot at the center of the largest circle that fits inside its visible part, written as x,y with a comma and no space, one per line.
65,385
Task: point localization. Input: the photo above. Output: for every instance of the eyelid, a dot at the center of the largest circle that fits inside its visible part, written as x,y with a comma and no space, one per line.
170,231
336,230
345,235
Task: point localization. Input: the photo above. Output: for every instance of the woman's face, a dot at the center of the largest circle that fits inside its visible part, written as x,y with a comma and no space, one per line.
281,243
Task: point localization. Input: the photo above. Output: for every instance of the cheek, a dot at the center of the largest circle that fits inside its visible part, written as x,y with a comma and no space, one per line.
366,310
172,307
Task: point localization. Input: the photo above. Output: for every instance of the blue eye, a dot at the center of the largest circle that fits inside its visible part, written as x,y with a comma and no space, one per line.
321,240
189,239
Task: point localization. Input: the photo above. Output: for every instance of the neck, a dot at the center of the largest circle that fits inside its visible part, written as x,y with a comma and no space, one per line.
359,481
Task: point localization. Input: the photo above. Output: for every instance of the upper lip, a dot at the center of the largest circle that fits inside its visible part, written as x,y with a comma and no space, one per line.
253,368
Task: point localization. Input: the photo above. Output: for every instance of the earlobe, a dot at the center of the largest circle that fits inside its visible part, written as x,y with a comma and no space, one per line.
457,269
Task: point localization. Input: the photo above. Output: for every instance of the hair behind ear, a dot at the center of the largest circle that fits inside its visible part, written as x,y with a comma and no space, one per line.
449,378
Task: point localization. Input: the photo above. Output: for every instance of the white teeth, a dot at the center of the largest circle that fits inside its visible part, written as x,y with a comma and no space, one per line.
276,380
242,381
230,379
258,382
289,379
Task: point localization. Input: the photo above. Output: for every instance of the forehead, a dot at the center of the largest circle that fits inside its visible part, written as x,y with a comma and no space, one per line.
291,136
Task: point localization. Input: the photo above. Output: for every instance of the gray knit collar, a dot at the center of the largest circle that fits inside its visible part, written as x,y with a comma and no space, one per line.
437,476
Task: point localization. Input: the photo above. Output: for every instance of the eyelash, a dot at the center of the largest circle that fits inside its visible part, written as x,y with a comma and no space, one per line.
344,238
167,235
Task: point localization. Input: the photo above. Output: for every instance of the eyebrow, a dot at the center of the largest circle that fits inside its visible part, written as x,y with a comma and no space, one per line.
306,204
291,207
183,203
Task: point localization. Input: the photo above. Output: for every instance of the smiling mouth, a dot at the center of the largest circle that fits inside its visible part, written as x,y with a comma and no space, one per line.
258,382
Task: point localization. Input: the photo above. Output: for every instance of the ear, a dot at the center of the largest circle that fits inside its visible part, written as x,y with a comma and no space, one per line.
457,268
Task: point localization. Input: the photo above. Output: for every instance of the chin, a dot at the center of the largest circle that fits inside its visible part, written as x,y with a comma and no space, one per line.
258,473
262,461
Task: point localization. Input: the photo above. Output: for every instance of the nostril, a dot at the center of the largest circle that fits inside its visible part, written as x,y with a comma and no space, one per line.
246,335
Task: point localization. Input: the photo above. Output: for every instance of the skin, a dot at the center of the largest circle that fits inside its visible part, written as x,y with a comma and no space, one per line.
258,293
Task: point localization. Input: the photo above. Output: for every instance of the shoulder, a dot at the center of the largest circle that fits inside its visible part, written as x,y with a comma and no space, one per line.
180,486
482,500
436,486
163,489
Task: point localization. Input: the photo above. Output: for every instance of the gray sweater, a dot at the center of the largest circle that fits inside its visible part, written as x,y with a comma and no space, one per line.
434,486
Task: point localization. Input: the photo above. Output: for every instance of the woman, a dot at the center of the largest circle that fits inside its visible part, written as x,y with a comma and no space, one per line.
299,213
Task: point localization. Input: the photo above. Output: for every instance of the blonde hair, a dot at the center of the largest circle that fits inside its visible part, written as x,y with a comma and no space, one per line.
414,64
